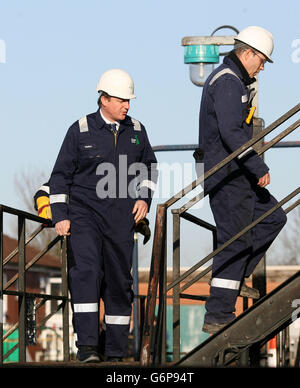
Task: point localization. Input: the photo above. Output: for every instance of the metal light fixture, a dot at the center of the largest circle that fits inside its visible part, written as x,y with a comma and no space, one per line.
201,59
202,54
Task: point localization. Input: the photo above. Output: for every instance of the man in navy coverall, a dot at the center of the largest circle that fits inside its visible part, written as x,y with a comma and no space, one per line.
100,187
237,192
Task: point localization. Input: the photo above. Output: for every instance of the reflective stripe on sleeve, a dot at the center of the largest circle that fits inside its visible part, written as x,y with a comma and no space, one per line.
225,283
85,307
150,184
117,319
59,198
245,152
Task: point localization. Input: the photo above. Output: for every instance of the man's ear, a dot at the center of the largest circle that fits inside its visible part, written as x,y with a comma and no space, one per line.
245,56
104,100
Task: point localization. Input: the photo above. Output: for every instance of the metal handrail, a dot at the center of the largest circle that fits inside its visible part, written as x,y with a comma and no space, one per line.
230,241
23,267
157,269
260,151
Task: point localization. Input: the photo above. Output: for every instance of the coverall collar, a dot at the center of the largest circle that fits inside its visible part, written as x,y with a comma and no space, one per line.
109,122
233,62
102,124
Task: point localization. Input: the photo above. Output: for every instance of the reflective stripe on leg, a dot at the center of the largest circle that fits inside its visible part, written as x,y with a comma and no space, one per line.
85,307
225,283
117,319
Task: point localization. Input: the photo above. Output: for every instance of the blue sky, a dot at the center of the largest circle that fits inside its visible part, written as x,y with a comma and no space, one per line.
55,52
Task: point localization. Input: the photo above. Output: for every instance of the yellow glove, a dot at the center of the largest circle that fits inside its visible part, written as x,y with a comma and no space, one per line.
44,209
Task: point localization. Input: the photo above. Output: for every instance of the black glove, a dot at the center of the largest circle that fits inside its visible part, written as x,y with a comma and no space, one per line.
143,228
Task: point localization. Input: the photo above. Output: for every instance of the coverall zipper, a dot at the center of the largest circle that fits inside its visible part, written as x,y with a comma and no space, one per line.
115,144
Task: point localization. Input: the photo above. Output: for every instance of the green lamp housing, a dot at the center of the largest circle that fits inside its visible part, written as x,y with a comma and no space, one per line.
202,59
201,53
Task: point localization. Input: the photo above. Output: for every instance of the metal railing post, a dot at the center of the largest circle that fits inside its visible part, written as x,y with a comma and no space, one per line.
176,297
136,310
160,339
157,255
64,292
22,289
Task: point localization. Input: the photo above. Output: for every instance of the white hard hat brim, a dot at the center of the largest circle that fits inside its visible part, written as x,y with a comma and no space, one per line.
123,97
269,59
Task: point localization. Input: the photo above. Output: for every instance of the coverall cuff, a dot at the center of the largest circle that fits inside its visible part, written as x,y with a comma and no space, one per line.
145,194
254,164
59,213
262,171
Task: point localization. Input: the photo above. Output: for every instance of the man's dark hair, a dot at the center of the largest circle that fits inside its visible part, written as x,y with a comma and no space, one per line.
102,94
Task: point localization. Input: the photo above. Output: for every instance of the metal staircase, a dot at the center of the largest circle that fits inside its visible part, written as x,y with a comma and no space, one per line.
254,327
249,331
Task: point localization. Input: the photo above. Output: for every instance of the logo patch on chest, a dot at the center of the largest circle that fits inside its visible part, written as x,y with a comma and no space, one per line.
135,140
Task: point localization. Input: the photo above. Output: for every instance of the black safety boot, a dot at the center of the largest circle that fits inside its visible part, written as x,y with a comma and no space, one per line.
212,328
87,354
249,292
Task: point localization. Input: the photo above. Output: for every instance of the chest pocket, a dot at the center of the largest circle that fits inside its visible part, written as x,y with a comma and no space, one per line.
89,155
88,151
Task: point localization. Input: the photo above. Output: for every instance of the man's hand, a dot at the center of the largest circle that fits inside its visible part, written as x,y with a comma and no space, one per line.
140,210
264,180
62,228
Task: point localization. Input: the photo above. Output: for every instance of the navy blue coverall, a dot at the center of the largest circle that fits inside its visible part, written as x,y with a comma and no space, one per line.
235,198
88,186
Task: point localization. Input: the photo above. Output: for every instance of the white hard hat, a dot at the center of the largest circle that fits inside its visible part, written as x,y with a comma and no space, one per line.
258,38
116,83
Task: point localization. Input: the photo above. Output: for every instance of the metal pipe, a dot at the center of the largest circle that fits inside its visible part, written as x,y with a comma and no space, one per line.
192,147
